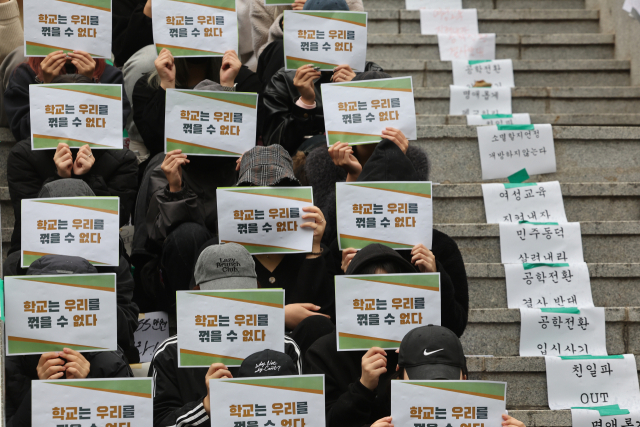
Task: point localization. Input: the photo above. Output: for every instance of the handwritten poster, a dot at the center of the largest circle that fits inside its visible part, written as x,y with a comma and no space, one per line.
528,201
153,329
541,242
448,21
609,416
497,72
433,4
465,100
499,119
466,46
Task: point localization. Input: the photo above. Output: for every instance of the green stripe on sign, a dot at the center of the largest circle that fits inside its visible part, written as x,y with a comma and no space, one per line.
565,310
605,411
99,281
521,184
354,139
239,97
354,18
305,193
201,360
352,343
295,64
44,50
315,383
277,2
143,386
226,4
402,83
493,389
267,296
425,281
497,116
480,61
101,4
175,51
411,187
39,143
253,249
530,265
516,127
347,242
17,347
538,223
96,89
192,149
106,203
589,357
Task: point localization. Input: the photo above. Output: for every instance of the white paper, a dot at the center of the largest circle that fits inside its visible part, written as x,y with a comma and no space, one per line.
52,25
591,417
474,101
507,149
195,27
499,119
578,381
541,243
325,39
395,214
448,21
562,331
76,114
498,72
153,329
466,46
548,285
357,112
433,4
378,310
631,4
523,202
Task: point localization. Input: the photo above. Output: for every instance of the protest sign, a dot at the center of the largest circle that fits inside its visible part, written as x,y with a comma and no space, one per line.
395,214
548,285
358,112
193,28
562,331
77,310
433,4
116,402
474,101
628,5
153,329
265,219
528,201
541,242
605,416
497,72
466,46
378,310
295,401
455,403
207,123
227,326
75,226
76,114
499,119
53,25
579,381
507,149
325,39
448,21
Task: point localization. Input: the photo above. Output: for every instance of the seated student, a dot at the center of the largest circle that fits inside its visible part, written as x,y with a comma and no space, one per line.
358,392
127,309
45,70
181,395
12,47
70,364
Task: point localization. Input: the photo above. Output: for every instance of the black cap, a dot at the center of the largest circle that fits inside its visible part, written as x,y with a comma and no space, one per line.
60,264
374,253
432,353
267,363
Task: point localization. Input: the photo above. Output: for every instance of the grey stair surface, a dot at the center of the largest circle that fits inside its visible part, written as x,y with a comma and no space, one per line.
554,119
487,4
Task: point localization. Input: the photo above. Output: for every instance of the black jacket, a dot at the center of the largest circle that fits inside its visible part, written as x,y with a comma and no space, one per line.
178,392
284,122
132,29
21,370
16,98
114,173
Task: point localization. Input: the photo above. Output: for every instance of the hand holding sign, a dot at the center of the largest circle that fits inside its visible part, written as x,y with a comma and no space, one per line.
397,137
84,161
172,168
147,8
215,372
342,73
230,68
63,160
423,259
317,226
50,366
347,257
52,65
374,364
296,313
166,69
383,422
83,62
510,421
303,81
77,367
342,155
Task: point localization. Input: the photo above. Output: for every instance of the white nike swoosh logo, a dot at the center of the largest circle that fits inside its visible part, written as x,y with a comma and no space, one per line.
431,352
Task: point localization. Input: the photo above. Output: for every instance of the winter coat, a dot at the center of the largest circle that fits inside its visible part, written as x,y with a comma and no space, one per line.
132,29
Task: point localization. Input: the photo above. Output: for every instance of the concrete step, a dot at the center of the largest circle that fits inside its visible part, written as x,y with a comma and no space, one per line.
554,119
547,418
602,241
487,4
464,204
612,285
495,21
583,154
508,46
534,73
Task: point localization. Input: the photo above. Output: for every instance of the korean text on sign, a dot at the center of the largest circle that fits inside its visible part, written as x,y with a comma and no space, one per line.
592,417
76,226
466,100
497,72
466,46
498,119
227,326
153,329
433,4
448,21
383,308
76,114
523,202
51,25
541,243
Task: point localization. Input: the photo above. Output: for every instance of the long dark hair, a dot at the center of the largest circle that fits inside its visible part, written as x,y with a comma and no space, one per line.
212,72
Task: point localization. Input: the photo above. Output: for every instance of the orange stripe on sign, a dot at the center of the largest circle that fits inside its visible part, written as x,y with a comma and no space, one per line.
428,288
45,253
300,199
206,5
117,98
202,353
176,141
20,339
427,196
268,304
224,100
488,396
304,390
360,24
127,393
57,47
86,5
70,139
335,132
293,58
168,46
95,288
383,88
80,207
365,239
364,337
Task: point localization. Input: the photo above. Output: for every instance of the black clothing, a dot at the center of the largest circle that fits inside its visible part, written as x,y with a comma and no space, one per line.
132,29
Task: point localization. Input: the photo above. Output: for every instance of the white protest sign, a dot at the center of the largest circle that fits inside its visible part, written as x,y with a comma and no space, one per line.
433,4
395,214
628,5
227,326
448,21
528,201
358,112
288,400
195,27
378,310
548,285
116,401
76,114
76,226
78,311
474,101
466,46
153,329
507,149
52,25
325,39
562,331
265,219
609,416
457,403
499,119
578,381
498,72
207,123
540,242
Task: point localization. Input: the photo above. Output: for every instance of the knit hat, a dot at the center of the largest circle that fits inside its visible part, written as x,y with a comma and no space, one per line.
266,167
67,187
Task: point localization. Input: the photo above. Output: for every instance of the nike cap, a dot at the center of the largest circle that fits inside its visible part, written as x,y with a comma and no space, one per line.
267,363
432,353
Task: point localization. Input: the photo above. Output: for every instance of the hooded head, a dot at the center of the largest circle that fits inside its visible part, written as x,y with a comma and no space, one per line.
227,266
325,5
267,167
68,187
60,264
379,259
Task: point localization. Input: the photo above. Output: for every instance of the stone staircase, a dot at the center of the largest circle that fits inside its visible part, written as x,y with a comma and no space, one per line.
567,75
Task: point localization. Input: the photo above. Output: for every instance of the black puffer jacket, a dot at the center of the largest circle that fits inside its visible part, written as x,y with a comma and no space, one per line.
132,29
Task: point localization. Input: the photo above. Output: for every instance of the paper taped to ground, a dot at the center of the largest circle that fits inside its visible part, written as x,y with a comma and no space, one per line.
541,242
499,119
466,46
527,201
433,4
448,21
474,101
496,72
605,415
